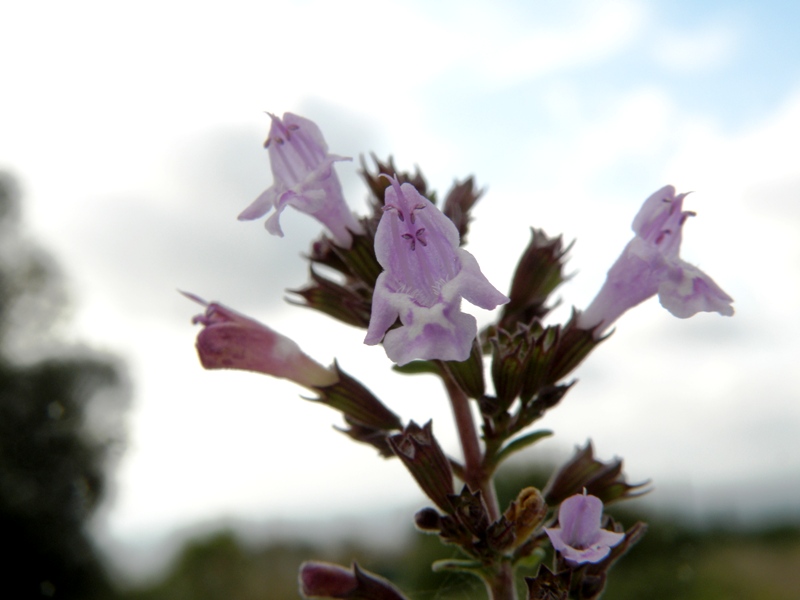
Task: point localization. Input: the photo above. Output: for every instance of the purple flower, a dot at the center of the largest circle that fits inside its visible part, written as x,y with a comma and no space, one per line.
303,176
426,274
579,538
230,340
650,265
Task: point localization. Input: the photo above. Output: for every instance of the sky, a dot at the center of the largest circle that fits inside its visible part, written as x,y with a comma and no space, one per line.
136,130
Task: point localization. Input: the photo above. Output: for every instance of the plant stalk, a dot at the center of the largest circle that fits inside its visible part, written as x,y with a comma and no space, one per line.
501,584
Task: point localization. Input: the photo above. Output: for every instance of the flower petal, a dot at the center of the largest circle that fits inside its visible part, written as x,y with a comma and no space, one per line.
579,517
687,291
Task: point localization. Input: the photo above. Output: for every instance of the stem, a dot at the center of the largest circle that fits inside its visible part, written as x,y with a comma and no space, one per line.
474,475
501,586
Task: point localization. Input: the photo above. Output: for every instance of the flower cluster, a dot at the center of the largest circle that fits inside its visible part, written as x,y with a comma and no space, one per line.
401,274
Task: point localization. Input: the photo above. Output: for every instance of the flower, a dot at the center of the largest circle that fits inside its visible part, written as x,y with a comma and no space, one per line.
425,277
579,538
326,580
650,265
230,340
304,178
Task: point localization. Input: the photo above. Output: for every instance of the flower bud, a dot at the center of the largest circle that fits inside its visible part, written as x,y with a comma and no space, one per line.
229,340
423,457
428,519
326,580
584,472
356,402
539,272
526,513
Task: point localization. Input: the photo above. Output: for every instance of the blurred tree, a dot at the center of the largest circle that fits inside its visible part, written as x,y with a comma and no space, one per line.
52,453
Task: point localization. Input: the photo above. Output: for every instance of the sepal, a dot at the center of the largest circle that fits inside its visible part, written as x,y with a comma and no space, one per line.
357,403
378,184
470,509
538,273
345,303
424,458
367,435
356,263
458,203
548,585
594,576
468,374
584,471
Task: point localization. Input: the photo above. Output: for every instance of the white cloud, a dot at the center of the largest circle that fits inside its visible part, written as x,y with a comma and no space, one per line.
695,51
506,49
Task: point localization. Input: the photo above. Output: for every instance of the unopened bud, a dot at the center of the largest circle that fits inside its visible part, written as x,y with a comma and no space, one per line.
326,580
428,519
230,340
526,513
424,458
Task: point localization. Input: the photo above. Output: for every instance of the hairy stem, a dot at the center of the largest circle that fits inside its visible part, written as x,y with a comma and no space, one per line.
501,585
474,475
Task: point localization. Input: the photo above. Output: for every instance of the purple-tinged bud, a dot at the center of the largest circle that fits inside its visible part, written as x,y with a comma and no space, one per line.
229,340
426,274
540,271
303,177
326,580
650,264
584,471
355,401
458,204
378,180
339,301
428,519
424,458
579,538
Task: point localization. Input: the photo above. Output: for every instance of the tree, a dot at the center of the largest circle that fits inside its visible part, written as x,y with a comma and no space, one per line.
52,459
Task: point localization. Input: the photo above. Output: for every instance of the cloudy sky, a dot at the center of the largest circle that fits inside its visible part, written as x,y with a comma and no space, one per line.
135,131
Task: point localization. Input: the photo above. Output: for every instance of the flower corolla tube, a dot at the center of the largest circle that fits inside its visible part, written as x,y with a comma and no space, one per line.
230,340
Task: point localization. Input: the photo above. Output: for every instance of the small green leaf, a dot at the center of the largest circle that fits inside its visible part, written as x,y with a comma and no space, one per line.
460,565
520,443
532,560
417,367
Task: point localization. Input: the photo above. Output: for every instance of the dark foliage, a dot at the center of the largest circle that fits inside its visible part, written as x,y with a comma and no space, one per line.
52,462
